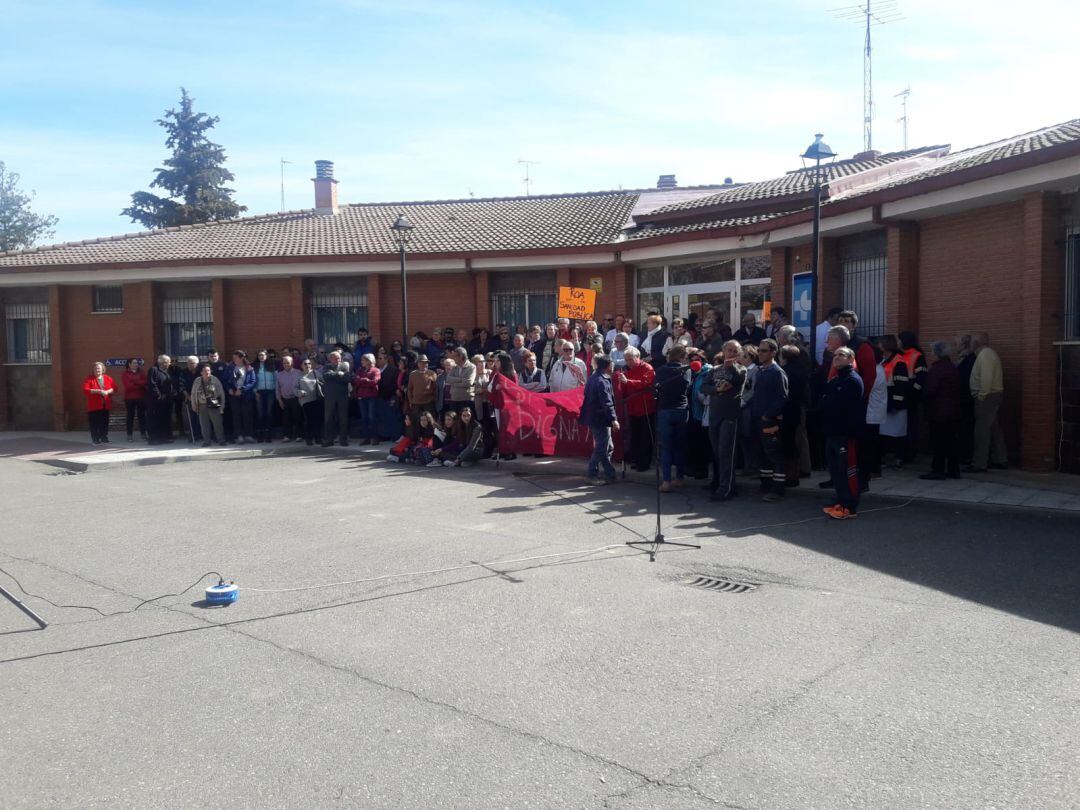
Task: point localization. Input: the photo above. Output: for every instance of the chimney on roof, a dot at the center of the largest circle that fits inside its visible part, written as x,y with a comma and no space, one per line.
666,181
869,154
325,188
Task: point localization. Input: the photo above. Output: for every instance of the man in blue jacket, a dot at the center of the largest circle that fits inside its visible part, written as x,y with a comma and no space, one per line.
843,415
598,414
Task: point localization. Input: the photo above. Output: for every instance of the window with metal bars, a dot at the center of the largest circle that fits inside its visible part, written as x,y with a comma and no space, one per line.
1072,284
335,317
27,333
864,261
108,298
189,326
527,308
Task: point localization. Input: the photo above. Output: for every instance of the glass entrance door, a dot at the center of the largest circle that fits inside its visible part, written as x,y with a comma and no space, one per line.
700,298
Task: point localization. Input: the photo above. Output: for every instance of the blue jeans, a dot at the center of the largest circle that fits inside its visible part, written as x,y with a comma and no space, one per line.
601,453
671,425
369,426
264,412
388,416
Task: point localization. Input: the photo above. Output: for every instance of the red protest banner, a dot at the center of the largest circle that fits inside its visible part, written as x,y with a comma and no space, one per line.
543,423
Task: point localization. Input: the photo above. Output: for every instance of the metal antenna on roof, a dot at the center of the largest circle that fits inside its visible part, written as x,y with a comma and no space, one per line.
527,164
880,13
283,162
903,119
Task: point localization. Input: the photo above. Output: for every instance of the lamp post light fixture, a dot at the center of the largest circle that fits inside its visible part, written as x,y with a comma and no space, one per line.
403,229
817,152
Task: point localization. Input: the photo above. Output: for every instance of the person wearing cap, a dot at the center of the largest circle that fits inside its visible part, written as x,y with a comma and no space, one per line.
598,414
420,392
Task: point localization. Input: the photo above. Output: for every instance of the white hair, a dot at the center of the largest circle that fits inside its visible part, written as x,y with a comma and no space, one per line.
164,358
192,358
631,352
369,357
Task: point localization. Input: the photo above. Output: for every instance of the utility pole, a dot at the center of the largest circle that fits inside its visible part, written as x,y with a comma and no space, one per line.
870,14
527,164
903,119
283,162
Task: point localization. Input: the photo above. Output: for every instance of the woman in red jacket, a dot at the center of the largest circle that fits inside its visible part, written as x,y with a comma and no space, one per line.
635,386
366,391
99,388
134,380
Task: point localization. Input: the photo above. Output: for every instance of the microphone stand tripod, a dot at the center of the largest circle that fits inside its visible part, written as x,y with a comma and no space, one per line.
658,540
15,601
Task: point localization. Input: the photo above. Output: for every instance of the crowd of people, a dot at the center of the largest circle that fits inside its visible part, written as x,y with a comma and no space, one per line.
697,399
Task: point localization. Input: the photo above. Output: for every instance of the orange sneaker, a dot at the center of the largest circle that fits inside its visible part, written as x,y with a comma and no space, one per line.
830,507
840,513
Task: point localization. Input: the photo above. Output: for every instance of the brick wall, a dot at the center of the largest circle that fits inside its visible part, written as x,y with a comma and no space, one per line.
258,314
970,270
86,337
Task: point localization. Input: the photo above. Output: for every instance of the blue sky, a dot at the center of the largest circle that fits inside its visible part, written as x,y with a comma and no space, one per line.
431,99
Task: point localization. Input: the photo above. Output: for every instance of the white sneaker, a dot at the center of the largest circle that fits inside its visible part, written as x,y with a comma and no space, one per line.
286,439
250,440
435,463
392,457
448,464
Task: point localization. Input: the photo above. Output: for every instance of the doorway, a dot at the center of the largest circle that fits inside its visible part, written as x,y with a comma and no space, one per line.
698,299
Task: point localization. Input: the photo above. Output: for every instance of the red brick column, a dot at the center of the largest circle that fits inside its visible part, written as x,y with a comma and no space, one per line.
1042,292
623,289
221,329
780,279
57,347
298,311
902,278
482,297
830,278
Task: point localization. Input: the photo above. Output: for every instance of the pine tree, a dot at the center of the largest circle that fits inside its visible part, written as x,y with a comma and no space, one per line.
194,176
20,227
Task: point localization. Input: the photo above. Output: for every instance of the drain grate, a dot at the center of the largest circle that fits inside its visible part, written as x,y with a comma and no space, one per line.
719,585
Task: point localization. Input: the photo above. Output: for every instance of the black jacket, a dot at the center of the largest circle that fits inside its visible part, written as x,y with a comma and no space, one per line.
842,410
672,386
724,404
161,387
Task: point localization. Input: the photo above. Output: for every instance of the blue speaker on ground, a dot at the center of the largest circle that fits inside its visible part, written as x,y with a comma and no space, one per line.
222,594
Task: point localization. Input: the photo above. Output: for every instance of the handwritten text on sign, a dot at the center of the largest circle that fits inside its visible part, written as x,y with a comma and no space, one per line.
577,302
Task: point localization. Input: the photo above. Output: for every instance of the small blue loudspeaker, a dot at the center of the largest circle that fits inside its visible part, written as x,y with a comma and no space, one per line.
224,593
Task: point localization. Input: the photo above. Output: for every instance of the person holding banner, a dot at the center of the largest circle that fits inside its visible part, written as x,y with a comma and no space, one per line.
598,414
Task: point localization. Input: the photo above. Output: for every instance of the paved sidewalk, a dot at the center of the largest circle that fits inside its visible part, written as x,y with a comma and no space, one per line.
74,451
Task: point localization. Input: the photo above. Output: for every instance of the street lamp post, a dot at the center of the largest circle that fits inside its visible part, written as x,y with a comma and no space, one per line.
817,151
403,229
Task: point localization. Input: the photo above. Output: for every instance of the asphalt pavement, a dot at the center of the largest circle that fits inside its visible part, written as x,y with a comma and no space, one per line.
469,638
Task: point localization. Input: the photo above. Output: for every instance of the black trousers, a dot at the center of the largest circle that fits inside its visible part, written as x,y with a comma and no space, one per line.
842,457
99,425
292,418
944,441
313,421
159,421
642,431
135,407
771,459
336,420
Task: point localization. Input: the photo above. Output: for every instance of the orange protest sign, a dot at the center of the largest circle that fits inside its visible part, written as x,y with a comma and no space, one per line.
577,303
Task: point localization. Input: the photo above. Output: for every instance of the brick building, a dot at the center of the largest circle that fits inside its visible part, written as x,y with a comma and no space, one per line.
933,240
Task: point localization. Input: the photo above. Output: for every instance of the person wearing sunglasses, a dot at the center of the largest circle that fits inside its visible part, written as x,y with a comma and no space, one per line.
568,372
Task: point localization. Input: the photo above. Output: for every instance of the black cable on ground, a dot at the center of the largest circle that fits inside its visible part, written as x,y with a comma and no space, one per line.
525,476
102,613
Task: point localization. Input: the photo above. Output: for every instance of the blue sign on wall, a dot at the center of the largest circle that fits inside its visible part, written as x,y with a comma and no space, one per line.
801,289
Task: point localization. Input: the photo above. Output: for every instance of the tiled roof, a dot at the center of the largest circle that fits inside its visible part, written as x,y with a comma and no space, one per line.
714,224
474,225
799,181
972,157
